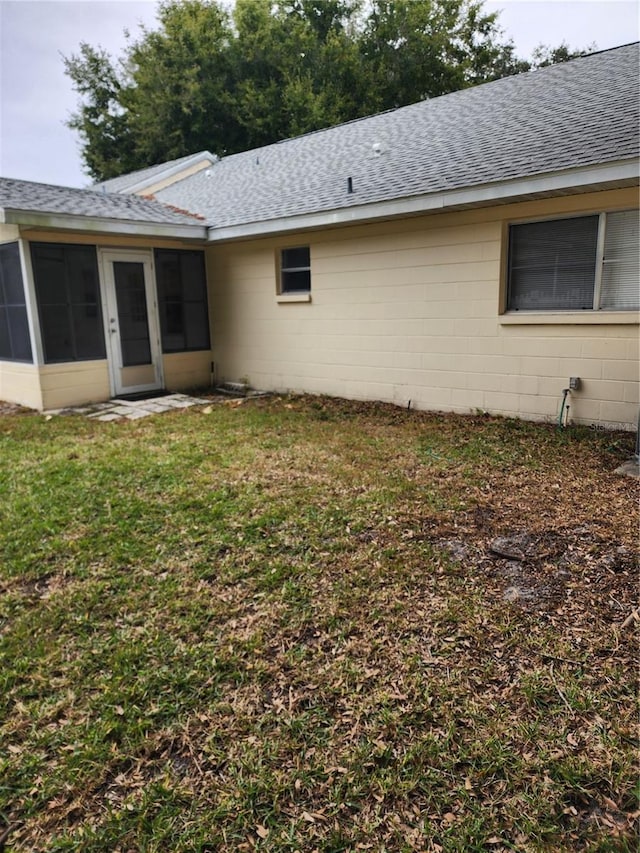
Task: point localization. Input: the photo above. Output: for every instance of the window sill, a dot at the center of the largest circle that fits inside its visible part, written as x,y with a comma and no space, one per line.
293,297
187,351
569,318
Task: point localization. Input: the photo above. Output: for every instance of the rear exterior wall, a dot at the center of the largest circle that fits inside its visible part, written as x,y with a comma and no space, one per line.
410,310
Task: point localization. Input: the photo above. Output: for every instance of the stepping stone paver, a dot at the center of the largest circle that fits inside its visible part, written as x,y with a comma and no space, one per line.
132,410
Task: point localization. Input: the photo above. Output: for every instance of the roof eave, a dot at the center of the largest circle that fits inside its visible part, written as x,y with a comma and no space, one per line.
620,172
101,225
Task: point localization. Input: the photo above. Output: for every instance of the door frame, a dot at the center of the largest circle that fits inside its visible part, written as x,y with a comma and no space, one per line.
106,258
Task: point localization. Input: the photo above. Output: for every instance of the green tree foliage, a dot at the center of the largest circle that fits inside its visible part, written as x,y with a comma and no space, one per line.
298,67
544,55
207,78
178,94
103,124
421,50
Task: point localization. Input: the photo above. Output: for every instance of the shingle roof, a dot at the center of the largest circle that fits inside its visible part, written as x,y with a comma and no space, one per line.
47,198
580,113
124,182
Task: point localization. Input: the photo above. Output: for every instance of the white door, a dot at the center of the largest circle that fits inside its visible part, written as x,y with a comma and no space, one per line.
131,321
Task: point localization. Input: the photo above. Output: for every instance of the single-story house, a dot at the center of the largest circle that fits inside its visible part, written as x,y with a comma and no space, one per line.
469,252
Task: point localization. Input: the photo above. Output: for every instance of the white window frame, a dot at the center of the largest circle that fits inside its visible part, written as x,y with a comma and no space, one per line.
283,270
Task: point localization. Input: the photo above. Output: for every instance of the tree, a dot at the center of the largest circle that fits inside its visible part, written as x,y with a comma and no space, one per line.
418,50
298,67
544,55
272,69
178,95
102,122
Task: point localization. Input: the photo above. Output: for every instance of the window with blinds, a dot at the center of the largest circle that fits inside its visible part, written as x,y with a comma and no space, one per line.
583,263
620,286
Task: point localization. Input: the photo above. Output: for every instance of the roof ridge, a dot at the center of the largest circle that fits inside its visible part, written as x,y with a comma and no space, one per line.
596,52
251,151
84,190
59,197
51,186
165,164
500,80
556,119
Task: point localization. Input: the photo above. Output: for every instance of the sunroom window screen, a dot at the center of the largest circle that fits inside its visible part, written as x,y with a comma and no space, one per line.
620,287
15,342
552,264
68,294
182,294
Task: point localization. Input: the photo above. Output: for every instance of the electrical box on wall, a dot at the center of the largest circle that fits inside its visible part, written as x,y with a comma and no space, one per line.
575,383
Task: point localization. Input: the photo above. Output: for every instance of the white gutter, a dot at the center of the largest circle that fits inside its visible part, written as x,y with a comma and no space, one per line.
102,225
624,171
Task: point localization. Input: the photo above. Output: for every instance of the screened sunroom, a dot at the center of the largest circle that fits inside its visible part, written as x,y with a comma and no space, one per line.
86,317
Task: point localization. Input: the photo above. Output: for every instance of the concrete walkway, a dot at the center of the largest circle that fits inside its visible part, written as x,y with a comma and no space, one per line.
131,410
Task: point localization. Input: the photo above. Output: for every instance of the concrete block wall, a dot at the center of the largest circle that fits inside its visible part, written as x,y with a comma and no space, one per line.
411,310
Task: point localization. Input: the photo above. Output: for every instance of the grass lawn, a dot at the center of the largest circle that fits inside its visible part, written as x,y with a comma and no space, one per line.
303,625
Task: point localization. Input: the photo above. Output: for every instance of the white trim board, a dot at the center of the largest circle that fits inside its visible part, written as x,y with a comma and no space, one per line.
102,225
590,179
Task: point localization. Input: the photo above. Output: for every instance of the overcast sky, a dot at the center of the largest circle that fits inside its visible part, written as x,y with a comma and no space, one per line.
36,97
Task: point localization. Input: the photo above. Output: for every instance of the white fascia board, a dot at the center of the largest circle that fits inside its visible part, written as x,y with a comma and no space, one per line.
100,225
481,195
167,173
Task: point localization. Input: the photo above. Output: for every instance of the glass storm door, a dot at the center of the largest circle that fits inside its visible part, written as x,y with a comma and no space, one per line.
131,317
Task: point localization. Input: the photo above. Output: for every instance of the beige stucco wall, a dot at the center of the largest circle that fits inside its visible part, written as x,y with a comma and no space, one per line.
20,383
187,370
74,383
410,310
